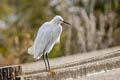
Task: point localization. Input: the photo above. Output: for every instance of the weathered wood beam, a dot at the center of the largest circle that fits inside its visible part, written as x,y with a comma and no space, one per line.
74,66
79,70
71,60
93,62
10,72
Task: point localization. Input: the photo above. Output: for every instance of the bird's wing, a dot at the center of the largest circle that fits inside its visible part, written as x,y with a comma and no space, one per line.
44,36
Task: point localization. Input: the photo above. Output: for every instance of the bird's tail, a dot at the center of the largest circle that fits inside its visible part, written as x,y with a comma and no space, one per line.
30,51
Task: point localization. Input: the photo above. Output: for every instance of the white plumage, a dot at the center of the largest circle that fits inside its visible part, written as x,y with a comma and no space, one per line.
48,35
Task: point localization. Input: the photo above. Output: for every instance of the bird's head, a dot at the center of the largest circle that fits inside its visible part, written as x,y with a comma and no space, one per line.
59,20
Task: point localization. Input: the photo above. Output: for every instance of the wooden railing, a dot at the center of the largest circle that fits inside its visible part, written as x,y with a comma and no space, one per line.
10,72
74,66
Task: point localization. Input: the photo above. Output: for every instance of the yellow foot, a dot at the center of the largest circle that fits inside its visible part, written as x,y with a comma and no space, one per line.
52,72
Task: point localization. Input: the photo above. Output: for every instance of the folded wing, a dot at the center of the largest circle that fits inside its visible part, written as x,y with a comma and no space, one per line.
43,38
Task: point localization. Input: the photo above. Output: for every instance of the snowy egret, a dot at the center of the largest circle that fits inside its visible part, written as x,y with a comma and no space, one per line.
48,35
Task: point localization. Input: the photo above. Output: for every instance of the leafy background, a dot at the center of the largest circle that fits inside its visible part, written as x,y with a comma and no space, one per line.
95,25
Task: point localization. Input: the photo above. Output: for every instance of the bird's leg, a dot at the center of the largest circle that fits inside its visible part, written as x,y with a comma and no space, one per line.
44,61
47,61
50,70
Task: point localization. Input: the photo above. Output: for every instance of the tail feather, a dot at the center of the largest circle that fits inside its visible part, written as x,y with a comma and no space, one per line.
30,51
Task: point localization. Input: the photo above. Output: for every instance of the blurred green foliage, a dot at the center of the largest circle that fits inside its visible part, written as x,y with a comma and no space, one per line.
31,14
5,8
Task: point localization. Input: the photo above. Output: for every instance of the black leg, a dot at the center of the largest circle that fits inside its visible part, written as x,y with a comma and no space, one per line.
47,61
44,61
52,72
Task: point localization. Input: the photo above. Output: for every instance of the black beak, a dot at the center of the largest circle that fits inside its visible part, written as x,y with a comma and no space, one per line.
66,22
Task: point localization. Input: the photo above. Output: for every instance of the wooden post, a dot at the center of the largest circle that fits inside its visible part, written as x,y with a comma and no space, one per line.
10,72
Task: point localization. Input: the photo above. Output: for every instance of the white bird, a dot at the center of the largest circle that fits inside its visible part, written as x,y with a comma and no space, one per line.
48,35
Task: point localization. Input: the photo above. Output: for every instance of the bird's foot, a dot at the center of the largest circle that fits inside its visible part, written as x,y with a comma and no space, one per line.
52,72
